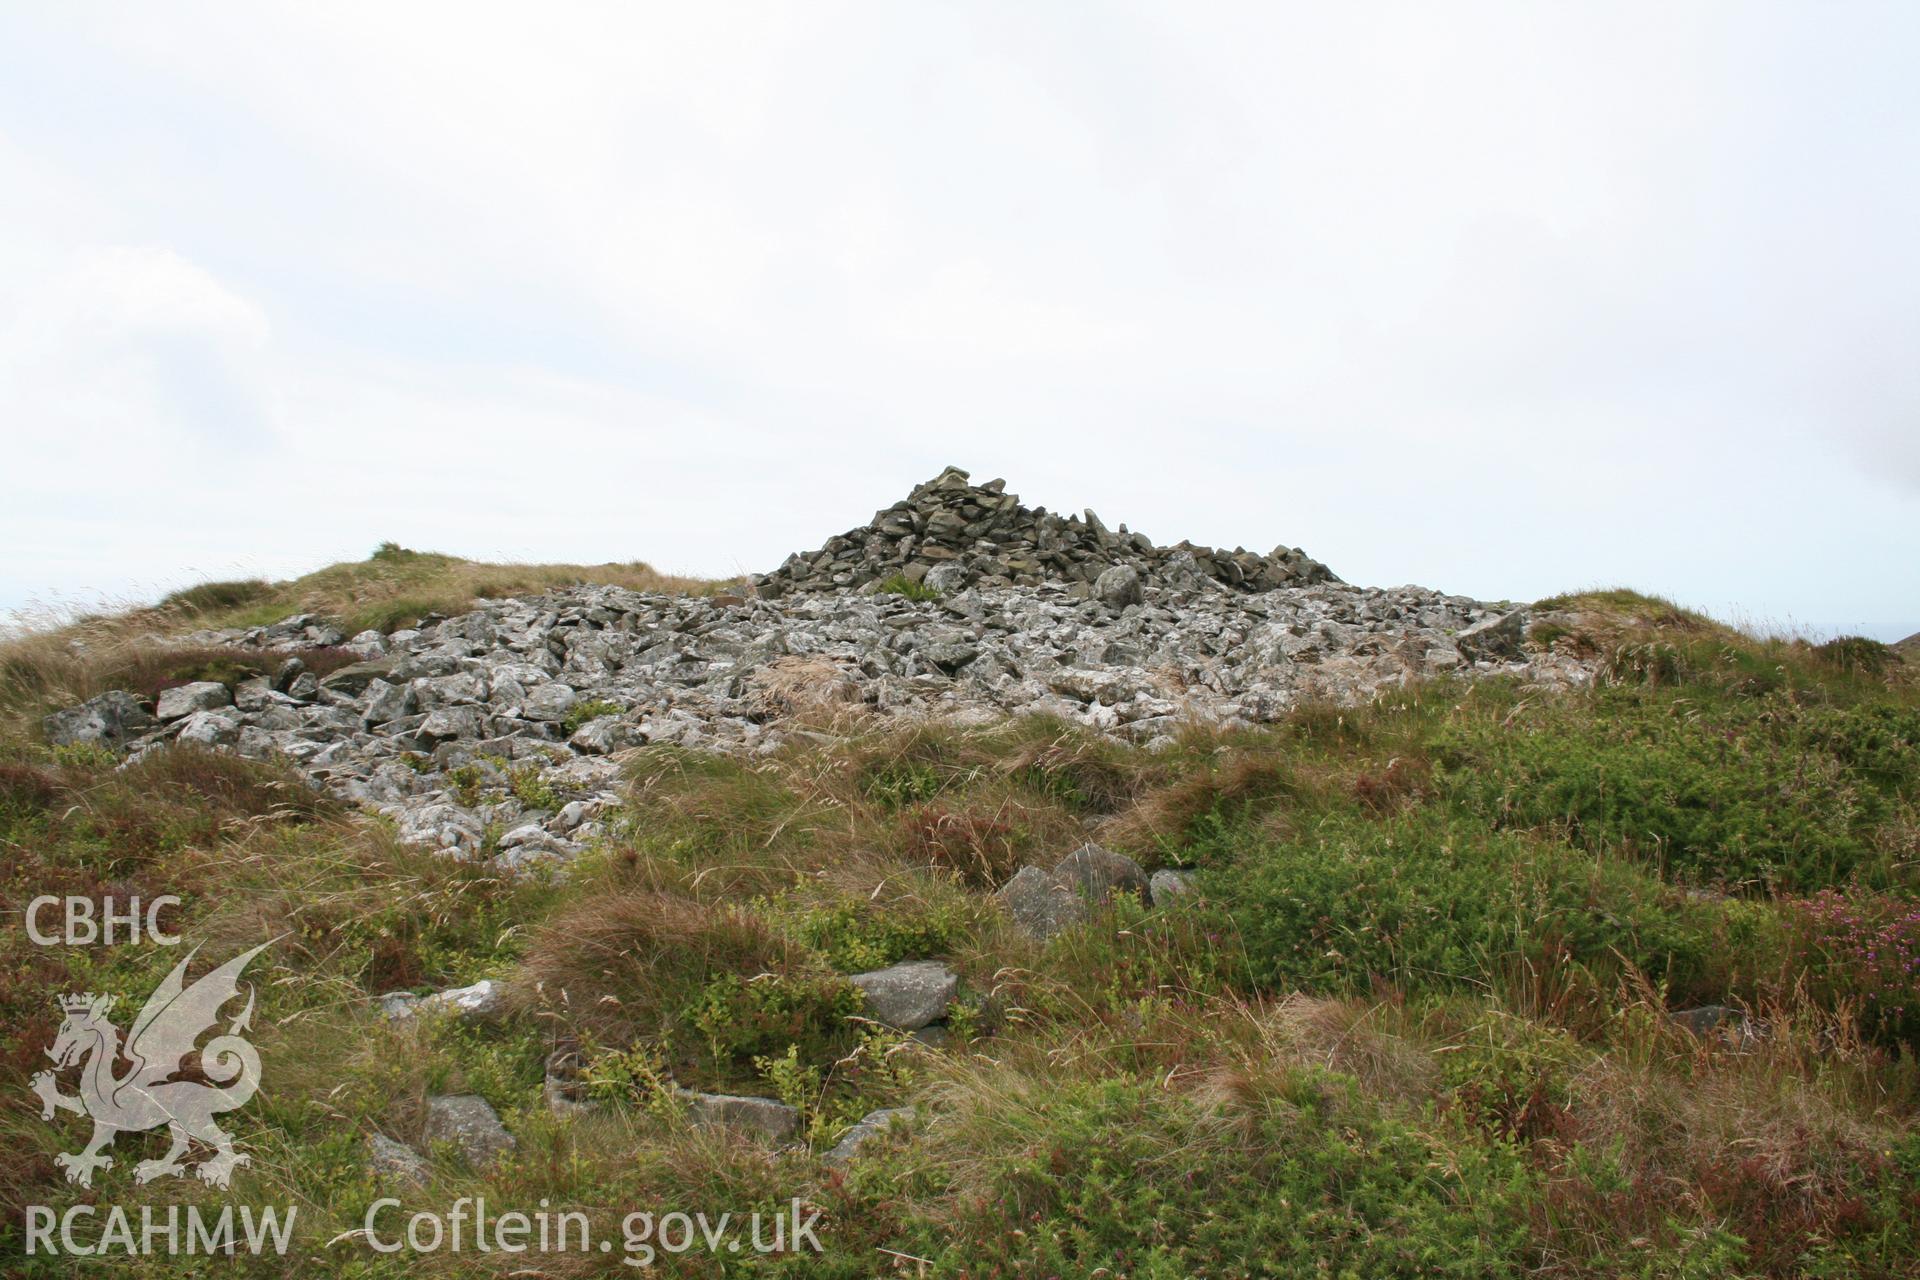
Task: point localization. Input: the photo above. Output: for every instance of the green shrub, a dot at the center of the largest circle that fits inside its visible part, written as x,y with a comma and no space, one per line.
1718,791
1436,903
895,783
588,709
1857,655
1304,1179
859,934
901,585
739,1019
532,788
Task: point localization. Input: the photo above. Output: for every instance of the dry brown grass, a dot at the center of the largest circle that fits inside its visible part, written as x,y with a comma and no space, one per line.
1166,812
806,692
619,964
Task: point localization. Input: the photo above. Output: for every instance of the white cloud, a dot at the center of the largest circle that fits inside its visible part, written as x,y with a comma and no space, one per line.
1503,297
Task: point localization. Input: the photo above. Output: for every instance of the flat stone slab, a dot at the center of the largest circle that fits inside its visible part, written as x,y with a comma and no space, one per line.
182,701
483,1000
760,1117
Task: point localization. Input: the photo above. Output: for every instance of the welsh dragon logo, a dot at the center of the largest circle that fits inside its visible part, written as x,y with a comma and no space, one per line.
147,1095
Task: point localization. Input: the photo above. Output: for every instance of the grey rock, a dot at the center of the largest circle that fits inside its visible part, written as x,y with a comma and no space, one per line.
1502,636
395,1161
1119,587
397,1006
470,1124
908,996
1167,884
452,722
605,735
387,702
1040,904
549,702
182,701
483,1001
209,729
935,1035
1719,1019
108,720
354,678
947,577
1097,874
871,1126
760,1117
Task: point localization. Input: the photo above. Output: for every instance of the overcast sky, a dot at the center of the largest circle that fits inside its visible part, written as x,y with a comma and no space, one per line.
1505,299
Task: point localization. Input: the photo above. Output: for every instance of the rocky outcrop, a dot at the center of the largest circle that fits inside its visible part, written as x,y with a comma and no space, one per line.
949,533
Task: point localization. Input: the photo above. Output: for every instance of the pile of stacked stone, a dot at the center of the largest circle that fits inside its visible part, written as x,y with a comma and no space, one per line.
950,533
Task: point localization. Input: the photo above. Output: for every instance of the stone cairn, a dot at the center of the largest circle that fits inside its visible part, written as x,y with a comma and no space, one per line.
950,534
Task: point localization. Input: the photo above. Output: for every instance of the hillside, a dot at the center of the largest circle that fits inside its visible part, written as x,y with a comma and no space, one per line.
1024,897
